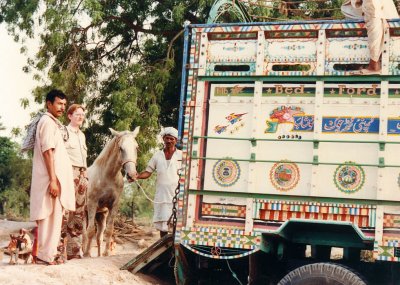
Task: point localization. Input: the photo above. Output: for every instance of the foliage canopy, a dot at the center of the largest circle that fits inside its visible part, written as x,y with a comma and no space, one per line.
15,174
120,58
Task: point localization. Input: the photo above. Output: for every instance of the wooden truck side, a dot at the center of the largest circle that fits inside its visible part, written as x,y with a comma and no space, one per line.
285,150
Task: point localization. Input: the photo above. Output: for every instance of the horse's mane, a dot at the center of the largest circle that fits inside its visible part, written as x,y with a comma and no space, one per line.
107,152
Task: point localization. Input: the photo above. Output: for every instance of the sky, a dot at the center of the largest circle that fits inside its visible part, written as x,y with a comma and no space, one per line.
14,83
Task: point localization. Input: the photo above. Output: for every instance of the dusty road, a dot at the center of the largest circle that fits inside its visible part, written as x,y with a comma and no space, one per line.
87,271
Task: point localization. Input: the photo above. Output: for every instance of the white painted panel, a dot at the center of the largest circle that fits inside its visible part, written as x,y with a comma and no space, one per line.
226,51
229,120
298,183
291,50
344,49
282,115
231,93
235,120
326,186
355,133
363,153
392,154
391,184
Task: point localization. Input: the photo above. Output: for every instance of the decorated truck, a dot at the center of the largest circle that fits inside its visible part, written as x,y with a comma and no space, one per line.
291,162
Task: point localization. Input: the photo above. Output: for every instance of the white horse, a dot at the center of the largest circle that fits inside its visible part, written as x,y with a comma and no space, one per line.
106,185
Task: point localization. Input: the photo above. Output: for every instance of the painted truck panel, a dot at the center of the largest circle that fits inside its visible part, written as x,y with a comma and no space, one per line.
276,129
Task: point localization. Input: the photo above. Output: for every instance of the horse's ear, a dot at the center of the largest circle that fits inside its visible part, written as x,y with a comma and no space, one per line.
113,132
136,131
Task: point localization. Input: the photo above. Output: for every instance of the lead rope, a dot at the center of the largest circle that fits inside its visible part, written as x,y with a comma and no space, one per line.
144,193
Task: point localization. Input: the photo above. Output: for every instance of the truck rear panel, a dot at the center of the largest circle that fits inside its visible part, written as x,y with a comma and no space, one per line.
276,131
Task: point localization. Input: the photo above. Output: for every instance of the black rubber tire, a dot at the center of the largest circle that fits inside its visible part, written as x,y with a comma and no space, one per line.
322,274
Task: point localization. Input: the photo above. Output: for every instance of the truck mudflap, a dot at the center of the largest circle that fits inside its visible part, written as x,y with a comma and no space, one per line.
328,233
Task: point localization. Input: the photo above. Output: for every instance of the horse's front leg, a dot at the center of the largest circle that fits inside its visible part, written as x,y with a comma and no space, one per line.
101,218
110,229
90,230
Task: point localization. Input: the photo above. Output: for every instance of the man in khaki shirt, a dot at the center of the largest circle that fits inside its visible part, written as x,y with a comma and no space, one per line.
52,188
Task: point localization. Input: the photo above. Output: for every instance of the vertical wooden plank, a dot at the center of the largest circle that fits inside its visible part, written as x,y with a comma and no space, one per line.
321,47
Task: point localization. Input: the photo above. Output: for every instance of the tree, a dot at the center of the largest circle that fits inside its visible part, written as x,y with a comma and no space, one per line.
7,156
15,176
122,58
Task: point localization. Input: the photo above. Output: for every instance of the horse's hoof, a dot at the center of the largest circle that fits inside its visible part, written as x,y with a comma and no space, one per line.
106,254
87,255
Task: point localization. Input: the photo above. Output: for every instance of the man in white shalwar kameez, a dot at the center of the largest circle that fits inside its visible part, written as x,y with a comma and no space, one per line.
52,187
374,13
167,163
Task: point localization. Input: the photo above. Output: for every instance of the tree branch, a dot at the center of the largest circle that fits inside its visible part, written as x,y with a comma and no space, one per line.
138,28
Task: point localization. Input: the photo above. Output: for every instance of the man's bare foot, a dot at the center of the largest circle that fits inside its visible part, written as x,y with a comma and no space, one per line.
374,66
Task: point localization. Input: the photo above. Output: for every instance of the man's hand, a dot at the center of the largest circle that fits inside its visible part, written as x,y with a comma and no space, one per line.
54,188
142,175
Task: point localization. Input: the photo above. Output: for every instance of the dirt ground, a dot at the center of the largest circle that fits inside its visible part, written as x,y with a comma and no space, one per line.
95,270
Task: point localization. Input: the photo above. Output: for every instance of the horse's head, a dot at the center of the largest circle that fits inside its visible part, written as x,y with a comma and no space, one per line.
128,151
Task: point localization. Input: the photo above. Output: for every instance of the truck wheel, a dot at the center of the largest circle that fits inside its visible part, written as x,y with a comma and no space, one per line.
322,274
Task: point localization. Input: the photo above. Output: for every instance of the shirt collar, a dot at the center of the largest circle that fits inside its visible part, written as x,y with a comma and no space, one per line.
73,129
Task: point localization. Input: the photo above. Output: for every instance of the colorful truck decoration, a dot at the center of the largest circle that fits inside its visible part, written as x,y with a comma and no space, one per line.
283,148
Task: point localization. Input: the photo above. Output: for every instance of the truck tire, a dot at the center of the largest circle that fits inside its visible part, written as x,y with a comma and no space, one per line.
322,274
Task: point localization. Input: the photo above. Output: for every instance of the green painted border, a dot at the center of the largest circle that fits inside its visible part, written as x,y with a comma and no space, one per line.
292,197
239,94
276,140
314,162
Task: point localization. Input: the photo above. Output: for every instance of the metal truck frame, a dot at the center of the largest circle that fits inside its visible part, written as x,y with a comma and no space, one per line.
287,154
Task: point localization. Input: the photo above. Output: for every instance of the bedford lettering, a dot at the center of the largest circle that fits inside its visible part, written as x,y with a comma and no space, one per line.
344,90
280,89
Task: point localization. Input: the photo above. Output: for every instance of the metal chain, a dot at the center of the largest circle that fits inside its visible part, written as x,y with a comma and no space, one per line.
175,209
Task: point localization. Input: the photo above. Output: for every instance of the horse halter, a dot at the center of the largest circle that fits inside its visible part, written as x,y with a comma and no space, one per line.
126,161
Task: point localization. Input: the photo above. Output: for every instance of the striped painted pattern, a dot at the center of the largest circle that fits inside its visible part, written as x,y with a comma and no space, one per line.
218,237
280,211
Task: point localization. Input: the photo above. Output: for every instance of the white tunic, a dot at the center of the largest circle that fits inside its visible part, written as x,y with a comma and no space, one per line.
368,9
374,13
167,181
48,136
